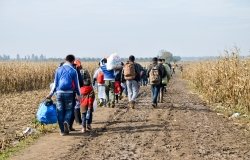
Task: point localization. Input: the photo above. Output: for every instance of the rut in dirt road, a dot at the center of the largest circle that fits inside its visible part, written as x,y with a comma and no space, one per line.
183,127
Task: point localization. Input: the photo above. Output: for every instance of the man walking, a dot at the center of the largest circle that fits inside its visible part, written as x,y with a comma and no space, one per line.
131,73
66,82
155,76
165,78
109,80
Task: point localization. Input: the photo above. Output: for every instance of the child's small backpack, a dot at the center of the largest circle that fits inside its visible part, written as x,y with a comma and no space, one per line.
129,71
100,77
86,77
154,75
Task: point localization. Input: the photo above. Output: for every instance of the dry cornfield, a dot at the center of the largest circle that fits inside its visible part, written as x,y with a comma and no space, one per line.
226,80
27,76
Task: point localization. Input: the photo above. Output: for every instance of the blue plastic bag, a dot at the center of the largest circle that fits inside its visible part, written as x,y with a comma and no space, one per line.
46,113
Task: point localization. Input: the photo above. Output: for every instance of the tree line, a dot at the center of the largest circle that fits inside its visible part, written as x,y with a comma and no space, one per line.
168,56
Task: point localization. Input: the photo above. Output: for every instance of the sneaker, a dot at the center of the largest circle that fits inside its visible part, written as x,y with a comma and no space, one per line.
84,130
154,105
121,97
62,134
66,127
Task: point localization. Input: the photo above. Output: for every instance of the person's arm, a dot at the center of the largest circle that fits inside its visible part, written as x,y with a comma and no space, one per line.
149,69
76,82
122,76
160,71
53,89
137,71
168,72
164,72
95,76
80,77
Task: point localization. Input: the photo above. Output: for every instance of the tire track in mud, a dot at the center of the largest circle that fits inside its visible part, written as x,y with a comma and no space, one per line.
196,132
141,133
183,127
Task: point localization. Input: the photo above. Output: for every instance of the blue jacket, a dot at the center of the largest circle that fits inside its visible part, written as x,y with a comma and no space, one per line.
108,74
66,80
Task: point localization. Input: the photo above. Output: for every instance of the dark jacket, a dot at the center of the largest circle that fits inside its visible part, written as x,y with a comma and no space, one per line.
161,70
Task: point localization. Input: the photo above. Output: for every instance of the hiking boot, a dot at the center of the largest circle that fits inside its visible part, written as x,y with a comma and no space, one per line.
84,129
113,105
66,127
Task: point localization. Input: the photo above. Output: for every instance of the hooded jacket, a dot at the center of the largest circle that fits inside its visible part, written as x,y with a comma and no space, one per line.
66,80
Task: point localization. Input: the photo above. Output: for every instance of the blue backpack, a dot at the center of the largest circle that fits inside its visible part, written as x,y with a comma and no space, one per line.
46,113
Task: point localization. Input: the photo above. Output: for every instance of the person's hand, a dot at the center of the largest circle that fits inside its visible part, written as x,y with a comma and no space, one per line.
78,98
48,96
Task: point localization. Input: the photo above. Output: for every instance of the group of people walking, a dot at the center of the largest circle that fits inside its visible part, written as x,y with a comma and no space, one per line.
74,88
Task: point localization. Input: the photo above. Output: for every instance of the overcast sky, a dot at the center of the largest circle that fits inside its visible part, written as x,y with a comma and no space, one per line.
96,28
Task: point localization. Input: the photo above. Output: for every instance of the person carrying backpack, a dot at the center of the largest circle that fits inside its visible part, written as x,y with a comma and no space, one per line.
65,83
165,78
87,101
131,73
154,74
118,80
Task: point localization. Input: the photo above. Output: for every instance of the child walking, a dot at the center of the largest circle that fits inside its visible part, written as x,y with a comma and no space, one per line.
87,107
87,100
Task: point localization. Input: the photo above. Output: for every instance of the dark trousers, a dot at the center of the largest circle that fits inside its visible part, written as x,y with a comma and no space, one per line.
72,115
77,114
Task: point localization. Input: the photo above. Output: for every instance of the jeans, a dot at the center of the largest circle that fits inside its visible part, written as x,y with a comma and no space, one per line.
155,89
85,120
133,89
64,107
125,90
110,91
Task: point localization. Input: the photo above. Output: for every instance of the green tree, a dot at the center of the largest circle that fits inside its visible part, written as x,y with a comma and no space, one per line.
168,56
176,58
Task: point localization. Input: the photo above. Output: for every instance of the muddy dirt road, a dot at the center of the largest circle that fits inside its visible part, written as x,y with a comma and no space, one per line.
183,127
